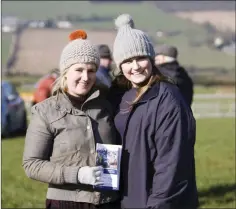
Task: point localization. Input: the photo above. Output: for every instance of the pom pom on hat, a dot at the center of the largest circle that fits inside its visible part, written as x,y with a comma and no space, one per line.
78,50
124,20
78,34
130,42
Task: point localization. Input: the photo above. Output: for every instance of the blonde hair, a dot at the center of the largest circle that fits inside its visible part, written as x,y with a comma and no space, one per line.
60,83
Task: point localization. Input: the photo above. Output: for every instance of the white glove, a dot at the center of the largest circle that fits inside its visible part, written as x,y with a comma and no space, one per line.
90,175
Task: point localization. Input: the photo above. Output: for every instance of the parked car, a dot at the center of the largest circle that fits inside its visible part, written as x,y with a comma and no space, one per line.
13,111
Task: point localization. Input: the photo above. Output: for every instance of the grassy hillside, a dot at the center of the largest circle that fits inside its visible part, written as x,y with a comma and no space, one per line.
5,47
176,6
200,56
146,15
215,167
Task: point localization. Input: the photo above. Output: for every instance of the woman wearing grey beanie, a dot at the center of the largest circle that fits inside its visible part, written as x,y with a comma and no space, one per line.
61,137
156,126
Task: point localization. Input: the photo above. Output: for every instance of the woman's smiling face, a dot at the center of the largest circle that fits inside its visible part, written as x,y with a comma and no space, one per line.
137,69
80,78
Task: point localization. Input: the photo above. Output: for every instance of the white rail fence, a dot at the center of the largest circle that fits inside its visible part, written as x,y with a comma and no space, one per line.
214,106
204,105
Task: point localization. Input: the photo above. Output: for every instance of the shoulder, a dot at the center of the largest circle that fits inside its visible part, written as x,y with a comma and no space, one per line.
100,71
42,108
102,88
169,94
102,102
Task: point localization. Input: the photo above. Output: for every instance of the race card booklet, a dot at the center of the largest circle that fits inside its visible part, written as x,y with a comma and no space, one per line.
109,157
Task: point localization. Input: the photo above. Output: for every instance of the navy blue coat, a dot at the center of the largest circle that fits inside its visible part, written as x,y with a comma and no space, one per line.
103,76
158,137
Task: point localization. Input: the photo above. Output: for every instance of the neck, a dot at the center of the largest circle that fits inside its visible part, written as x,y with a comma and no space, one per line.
140,85
76,100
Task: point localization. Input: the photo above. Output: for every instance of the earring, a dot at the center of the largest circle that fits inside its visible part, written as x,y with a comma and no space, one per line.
65,89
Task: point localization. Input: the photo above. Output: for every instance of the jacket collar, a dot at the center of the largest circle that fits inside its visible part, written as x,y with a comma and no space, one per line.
151,93
63,103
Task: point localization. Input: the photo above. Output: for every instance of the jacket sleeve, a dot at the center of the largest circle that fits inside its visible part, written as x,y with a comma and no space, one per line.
175,152
37,152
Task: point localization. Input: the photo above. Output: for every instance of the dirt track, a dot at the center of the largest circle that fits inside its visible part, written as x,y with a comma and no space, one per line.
221,19
39,49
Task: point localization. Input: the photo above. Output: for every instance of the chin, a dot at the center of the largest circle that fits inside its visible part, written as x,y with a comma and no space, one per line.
83,93
138,81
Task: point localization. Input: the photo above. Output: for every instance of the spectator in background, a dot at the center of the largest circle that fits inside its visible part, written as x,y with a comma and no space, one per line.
44,86
167,63
103,76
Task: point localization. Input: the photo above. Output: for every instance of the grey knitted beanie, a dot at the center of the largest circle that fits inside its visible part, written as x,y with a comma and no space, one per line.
130,42
78,50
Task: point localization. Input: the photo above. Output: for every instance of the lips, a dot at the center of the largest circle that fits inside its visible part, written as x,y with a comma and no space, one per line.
141,73
138,73
83,84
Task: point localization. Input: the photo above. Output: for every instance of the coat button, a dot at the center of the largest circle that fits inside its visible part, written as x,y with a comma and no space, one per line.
88,127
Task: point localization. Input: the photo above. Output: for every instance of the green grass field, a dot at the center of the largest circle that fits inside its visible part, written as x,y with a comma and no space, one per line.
215,167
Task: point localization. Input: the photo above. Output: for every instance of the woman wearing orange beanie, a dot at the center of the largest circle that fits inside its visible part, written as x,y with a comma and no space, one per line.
61,137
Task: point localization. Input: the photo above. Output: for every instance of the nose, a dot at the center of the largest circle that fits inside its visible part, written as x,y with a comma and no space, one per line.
84,75
135,65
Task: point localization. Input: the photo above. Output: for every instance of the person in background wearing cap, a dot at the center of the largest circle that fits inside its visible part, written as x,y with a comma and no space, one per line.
44,86
166,62
156,126
102,74
64,129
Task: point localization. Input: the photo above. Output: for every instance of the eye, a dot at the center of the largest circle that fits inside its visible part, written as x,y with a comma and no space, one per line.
128,62
140,58
91,70
79,70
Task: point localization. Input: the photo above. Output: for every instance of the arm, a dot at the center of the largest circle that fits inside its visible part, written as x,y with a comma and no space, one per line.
37,151
175,153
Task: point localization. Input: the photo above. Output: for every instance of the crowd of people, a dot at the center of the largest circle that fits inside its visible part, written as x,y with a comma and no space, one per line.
146,108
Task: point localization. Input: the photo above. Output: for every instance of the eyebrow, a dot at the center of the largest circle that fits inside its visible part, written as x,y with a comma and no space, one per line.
81,68
133,58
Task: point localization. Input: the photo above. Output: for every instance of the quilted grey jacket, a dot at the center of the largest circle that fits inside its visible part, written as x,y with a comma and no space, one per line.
61,138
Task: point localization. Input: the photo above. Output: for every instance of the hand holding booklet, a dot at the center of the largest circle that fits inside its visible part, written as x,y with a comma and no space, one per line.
109,156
